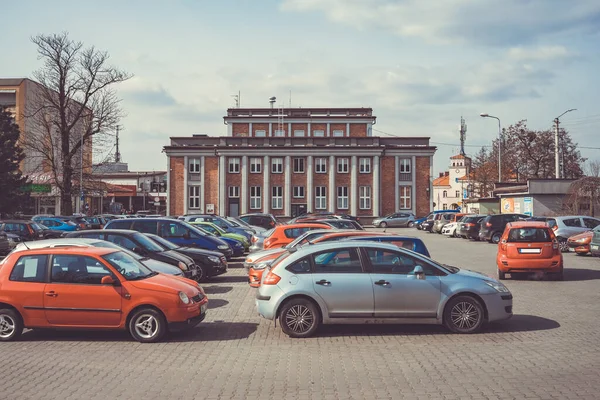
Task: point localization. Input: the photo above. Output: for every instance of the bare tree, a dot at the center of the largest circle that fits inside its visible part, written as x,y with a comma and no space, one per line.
592,168
71,110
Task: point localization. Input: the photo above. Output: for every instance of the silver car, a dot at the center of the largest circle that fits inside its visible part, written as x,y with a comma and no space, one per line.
395,220
257,240
368,282
565,227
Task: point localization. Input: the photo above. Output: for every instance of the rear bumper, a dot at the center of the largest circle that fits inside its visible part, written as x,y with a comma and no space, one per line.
554,264
255,276
595,251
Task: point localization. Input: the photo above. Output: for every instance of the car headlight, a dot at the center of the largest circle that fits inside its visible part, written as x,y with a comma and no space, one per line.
182,266
222,247
184,298
262,265
498,286
238,244
214,259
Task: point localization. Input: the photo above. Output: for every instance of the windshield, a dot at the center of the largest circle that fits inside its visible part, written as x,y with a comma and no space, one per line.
164,242
129,267
110,245
146,243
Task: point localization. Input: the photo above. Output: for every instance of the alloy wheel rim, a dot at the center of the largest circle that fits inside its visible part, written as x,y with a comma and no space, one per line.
563,245
146,326
7,326
299,318
465,315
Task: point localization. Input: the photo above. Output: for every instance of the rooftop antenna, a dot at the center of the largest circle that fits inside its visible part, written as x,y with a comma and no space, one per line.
272,101
463,135
290,98
237,98
117,152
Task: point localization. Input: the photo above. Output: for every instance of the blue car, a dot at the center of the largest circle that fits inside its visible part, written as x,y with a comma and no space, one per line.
220,222
405,242
56,224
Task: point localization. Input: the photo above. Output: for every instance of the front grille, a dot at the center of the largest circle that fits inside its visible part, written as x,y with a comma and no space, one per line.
198,298
506,297
223,260
508,309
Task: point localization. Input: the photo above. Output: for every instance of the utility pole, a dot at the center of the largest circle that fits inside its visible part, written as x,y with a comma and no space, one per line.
556,156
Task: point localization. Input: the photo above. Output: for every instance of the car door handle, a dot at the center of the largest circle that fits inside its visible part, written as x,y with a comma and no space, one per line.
51,294
382,283
323,282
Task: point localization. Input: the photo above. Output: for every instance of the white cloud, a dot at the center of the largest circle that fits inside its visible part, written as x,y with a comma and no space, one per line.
542,53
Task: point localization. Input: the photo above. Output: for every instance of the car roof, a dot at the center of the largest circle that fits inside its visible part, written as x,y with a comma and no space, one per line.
527,224
257,215
121,231
301,225
70,250
16,221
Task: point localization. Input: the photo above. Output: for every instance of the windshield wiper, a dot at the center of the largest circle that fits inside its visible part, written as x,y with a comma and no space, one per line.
137,278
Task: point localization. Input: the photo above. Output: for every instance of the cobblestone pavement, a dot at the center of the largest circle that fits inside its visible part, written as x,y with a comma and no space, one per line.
549,349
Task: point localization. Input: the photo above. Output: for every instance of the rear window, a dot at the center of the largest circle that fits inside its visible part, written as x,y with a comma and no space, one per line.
518,235
572,222
119,224
470,219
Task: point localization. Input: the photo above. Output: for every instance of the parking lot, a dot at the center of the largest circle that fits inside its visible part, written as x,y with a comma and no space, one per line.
549,349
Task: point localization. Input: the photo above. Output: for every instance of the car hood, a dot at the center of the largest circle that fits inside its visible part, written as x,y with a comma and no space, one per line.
260,254
195,251
160,266
584,235
166,284
178,256
236,236
475,274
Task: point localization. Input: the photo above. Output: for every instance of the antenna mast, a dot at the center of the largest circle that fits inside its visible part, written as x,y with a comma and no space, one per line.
237,98
117,152
463,135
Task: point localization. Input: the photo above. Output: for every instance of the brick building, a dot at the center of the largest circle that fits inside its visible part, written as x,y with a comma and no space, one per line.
286,161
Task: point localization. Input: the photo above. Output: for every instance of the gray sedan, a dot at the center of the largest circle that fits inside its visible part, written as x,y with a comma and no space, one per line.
368,282
395,219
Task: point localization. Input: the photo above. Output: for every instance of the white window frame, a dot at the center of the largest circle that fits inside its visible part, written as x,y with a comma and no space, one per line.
405,199
343,165
320,197
277,197
194,165
320,165
338,133
299,192
234,165
303,162
255,165
299,133
342,197
364,197
404,165
255,198
277,165
194,196
279,132
260,133
457,193
364,165
234,192
318,133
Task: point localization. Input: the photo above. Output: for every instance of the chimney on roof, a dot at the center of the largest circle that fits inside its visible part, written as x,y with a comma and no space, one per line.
441,174
447,173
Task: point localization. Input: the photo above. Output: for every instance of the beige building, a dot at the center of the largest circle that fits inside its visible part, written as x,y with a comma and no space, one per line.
452,186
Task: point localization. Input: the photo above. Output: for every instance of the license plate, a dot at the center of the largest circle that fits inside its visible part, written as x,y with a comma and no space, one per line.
530,251
594,247
203,308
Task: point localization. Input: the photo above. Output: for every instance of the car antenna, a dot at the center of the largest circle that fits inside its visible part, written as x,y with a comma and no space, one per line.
25,244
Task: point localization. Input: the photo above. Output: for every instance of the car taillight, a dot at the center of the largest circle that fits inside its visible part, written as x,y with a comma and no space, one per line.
488,224
271,279
555,244
30,230
469,225
254,239
555,228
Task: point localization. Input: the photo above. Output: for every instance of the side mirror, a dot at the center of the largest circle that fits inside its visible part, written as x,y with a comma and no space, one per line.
107,280
419,273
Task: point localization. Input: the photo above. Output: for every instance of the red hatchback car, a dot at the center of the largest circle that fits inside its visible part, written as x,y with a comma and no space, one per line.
93,288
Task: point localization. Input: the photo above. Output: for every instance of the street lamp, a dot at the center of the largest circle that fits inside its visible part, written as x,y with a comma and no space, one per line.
485,115
556,163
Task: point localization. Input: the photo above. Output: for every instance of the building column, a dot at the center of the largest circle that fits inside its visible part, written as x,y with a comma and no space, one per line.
202,192
185,185
347,129
375,199
229,130
169,212
250,132
328,133
265,190
270,129
289,129
396,182
353,187
413,190
244,188
287,190
332,189
429,183
308,134
222,186
309,184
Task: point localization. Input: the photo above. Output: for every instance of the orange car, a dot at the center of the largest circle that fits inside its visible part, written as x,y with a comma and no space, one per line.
255,270
529,247
93,287
285,234
581,242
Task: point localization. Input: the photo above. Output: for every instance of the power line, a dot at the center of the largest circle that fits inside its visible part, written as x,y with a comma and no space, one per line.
438,143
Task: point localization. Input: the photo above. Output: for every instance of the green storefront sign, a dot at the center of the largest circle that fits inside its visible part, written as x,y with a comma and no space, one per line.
37,188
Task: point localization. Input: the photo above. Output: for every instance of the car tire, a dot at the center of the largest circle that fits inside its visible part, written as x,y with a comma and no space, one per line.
201,277
496,236
419,227
563,245
464,314
410,224
501,275
299,318
11,324
383,224
147,325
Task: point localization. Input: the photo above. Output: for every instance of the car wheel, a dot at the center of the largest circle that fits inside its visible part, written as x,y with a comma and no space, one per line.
147,325
11,324
563,245
463,314
419,227
201,277
496,237
299,318
383,224
501,275
410,224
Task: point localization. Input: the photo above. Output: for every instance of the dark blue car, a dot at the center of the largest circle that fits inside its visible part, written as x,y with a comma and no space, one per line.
220,222
406,242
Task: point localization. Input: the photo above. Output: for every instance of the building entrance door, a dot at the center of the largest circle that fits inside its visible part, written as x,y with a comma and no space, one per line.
298,209
234,208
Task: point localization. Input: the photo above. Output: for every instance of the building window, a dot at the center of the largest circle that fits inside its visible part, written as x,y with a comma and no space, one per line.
338,133
445,193
405,165
299,165
320,198
255,165
364,166
342,165
365,197
234,165
194,196
342,197
279,133
405,198
319,133
298,192
299,133
277,197
277,165
444,206
194,165
261,133
234,192
255,198
321,165
457,193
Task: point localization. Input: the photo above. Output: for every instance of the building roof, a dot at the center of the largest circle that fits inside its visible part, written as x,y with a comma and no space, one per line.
442,181
11,81
459,157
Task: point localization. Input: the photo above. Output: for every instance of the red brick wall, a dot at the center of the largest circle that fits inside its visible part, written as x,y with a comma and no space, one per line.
255,180
260,127
300,127
318,127
364,180
275,126
358,130
211,183
388,185
240,129
422,177
337,127
176,189
342,179
232,179
299,180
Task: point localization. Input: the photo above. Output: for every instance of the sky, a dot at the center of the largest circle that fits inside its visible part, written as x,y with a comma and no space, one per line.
420,64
